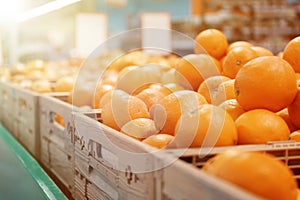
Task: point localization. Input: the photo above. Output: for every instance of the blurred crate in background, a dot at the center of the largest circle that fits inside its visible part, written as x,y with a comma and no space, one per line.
19,114
269,23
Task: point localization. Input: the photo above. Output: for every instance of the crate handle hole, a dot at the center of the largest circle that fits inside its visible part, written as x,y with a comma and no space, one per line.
23,104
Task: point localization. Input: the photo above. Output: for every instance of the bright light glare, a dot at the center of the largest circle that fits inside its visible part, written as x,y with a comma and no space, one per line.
9,9
44,9
13,10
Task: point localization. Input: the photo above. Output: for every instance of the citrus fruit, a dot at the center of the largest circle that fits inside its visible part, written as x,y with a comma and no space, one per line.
139,128
213,41
260,126
284,114
235,59
262,174
266,82
232,107
291,53
295,135
224,92
101,89
294,110
240,43
206,126
160,141
151,96
171,107
192,69
210,85
122,108
262,51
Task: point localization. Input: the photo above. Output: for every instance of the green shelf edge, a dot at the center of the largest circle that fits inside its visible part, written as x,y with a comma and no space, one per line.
48,187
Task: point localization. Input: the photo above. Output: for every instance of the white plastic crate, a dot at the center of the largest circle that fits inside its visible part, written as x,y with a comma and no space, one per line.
20,115
8,107
57,146
286,151
106,173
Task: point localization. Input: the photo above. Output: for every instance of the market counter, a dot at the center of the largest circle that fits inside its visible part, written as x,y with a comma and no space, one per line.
21,177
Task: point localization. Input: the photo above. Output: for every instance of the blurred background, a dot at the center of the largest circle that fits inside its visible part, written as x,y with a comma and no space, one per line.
46,29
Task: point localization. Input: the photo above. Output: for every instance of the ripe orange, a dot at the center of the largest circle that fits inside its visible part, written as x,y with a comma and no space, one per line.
291,53
192,69
167,112
259,173
60,120
64,84
295,135
298,78
207,126
41,86
224,92
122,108
139,128
210,85
238,44
160,141
213,41
266,82
153,94
294,110
280,54
106,97
261,51
101,89
233,108
235,59
109,77
284,114
260,126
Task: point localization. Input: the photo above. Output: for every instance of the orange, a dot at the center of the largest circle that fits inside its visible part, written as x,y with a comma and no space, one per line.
298,78
129,59
105,98
238,44
64,84
213,41
167,112
139,128
41,86
60,120
233,108
109,77
260,126
295,135
235,59
207,126
101,89
259,173
122,108
151,96
224,92
133,78
192,69
284,114
280,54
209,86
266,82
160,141
294,110
261,51
291,53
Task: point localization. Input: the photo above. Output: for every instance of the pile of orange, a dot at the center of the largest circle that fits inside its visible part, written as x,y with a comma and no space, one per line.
256,89
224,94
